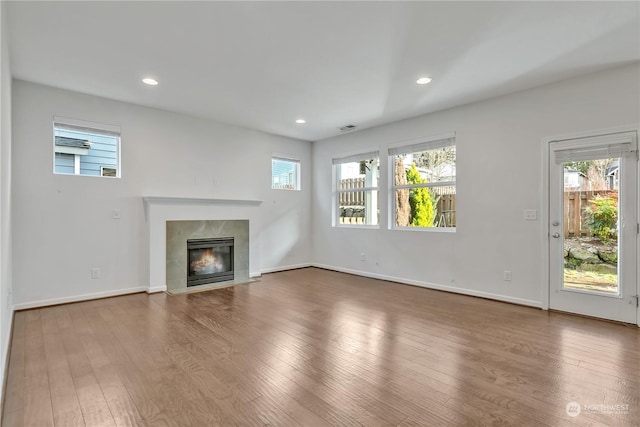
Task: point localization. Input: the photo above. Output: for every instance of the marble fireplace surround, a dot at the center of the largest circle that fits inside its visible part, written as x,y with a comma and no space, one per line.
178,232
159,210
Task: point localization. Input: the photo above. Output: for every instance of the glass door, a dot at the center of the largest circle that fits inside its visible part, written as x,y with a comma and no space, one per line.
593,235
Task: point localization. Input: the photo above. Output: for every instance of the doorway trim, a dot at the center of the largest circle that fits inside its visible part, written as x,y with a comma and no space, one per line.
544,235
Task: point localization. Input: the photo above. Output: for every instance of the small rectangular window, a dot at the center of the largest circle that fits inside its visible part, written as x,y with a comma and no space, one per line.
86,148
110,172
356,191
424,184
285,173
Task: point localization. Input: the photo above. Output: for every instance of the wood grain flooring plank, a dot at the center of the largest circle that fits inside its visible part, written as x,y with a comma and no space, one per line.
94,407
64,401
37,406
93,355
14,393
13,418
121,405
37,396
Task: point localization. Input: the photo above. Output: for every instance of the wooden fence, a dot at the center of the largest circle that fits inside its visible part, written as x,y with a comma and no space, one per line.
446,209
575,218
355,198
446,206
283,187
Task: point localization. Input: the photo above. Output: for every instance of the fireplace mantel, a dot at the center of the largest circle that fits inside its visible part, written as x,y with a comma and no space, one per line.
199,201
196,201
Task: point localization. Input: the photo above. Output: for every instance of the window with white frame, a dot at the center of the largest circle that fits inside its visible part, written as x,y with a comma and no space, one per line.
85,148
285,173
423,183
356,189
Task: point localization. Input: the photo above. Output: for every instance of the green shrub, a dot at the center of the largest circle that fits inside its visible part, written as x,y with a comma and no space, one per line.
602,217
423,212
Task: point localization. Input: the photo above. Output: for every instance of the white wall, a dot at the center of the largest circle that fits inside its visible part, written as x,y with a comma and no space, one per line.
6,310
62,224
499,175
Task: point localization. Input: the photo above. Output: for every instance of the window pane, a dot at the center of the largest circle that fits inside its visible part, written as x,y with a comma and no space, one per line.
445,197
284,174
430,203
359,207
92,150
429,166
365,173
591,245
425,207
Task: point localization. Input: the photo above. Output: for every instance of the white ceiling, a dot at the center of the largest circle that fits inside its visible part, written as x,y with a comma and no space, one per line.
262,65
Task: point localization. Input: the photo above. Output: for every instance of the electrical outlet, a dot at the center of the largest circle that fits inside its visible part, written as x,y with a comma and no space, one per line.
506,276
95,273
530,215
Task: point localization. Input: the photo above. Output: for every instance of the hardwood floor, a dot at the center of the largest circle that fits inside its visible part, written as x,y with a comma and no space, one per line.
314,347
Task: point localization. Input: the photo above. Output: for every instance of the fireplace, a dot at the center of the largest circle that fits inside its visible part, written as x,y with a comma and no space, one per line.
209,260
199,234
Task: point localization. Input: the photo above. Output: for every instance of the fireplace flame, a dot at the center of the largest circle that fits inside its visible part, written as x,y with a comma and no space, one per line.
207,263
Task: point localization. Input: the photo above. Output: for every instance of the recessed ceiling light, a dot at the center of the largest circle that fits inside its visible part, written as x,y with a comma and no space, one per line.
423,80
301,121
150,81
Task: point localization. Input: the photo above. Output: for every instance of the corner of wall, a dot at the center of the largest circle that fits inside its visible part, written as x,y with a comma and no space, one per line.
6,304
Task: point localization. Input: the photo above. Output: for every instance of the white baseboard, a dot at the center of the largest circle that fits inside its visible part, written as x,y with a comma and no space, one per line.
154,289
85,297
463,291
286,267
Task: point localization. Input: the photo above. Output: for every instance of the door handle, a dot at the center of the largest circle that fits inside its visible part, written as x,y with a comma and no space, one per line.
555,235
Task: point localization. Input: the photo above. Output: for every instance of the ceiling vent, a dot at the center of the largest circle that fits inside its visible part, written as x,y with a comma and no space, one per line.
347,128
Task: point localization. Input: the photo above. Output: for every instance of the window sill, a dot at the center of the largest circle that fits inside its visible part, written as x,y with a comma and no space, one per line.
361,226
426,229
85,175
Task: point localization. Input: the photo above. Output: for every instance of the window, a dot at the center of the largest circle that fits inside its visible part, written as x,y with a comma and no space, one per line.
110,172
285,173
85,148
423,177
356,189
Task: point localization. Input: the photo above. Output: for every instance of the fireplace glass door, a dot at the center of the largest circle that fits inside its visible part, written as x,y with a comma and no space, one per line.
209,261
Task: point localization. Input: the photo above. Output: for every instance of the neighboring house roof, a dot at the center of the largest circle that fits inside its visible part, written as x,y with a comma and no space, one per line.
72,142
571,170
